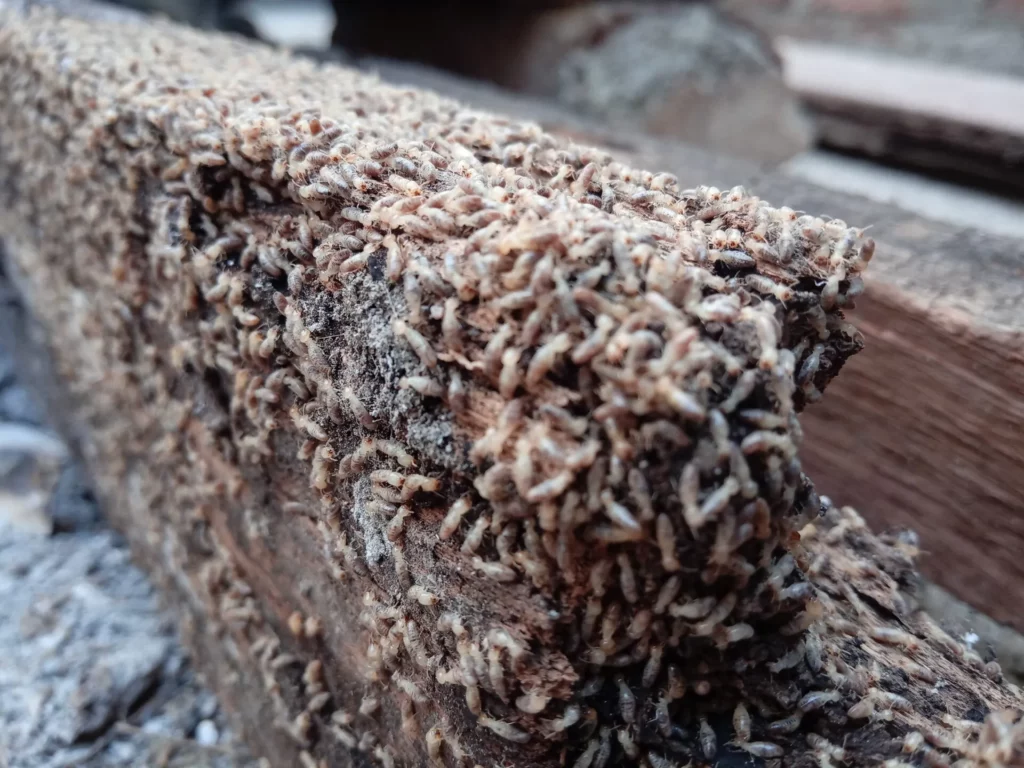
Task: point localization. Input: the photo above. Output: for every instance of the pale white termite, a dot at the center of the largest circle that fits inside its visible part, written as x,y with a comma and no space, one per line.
763,749
741,723
417,342
453,519
706,738
504,730
423,385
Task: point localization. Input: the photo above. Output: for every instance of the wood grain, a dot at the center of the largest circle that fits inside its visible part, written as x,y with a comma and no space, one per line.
926,430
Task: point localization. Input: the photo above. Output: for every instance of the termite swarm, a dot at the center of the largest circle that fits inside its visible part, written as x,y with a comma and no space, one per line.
561,377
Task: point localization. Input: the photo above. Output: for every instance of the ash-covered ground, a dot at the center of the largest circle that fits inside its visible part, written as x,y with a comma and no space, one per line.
91,670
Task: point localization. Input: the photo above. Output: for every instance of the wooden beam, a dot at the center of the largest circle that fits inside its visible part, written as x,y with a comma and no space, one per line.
341,359
276,298
956,289
924,89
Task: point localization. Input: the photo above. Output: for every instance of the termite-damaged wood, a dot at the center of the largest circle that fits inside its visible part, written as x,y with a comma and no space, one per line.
457,443
690,164
884,450
924,429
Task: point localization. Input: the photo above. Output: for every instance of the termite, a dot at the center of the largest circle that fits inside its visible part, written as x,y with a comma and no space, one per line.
424,385
453,519
417,342
493,570
707,740
741,723
763,749
505,730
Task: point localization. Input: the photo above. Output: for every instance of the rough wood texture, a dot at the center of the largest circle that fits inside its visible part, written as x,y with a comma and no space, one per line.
920,282
454,442
963,620
904,403
925,428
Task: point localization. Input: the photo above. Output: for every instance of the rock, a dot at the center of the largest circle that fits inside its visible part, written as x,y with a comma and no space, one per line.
72,506
16,404
680,70
206,733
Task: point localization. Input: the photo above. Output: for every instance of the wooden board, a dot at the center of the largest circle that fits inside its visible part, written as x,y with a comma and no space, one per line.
908,112
325,389
926,90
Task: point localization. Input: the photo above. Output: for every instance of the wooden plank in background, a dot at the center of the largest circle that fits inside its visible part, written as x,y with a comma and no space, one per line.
912,112
926,430
925,89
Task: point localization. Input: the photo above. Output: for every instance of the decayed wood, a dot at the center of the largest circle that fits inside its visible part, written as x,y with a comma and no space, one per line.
925,428
963,620
456,443
923,285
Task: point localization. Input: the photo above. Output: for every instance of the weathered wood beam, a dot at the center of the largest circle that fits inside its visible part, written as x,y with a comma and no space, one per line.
881,440
924,90
911,112
926,428
455,442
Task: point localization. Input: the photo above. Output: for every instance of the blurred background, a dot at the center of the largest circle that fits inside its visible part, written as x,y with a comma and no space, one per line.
925,86
907,115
